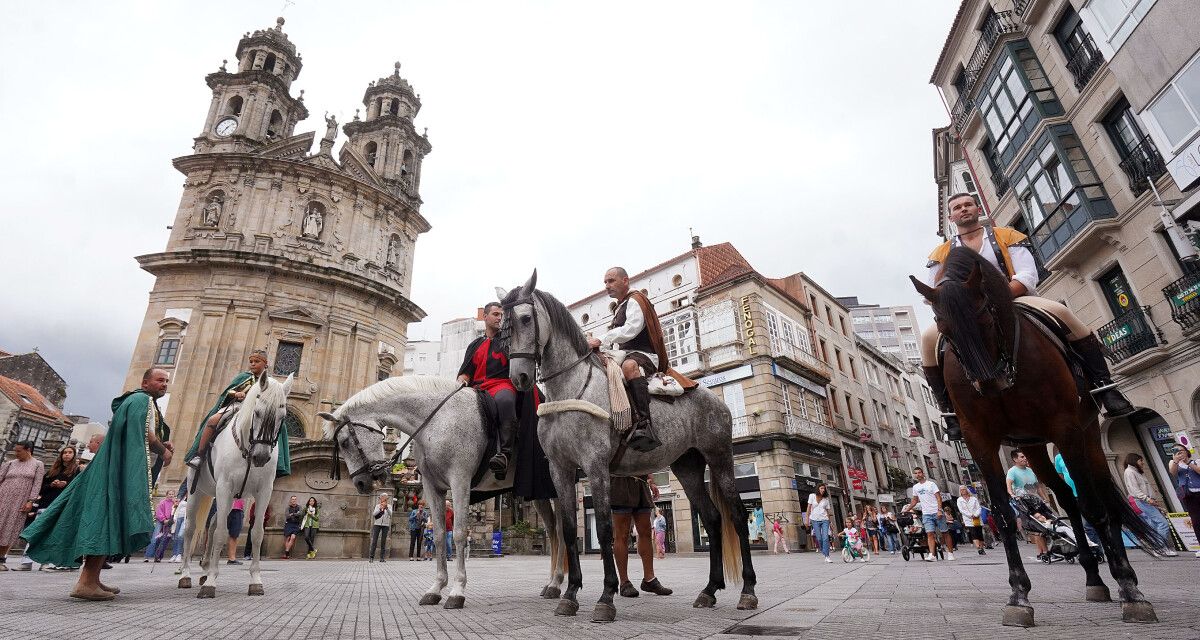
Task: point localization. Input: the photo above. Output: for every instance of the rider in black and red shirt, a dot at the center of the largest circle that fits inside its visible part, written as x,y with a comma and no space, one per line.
485,366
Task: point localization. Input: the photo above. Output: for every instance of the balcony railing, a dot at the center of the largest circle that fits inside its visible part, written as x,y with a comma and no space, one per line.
1000,183
996,25
1143,164
797,426
781,349
1128,335
1184,296
962,111
1085,62
1021,6
741,427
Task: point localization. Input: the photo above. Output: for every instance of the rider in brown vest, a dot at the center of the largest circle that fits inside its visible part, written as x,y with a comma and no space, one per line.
635,330
1009,250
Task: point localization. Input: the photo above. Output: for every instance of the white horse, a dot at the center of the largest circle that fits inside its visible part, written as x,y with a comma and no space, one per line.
243,457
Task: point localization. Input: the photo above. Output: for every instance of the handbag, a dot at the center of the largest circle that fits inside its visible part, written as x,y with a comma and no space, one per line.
1133,505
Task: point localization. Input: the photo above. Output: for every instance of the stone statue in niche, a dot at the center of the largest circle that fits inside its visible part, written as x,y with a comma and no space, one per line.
314,222
393,254
212,210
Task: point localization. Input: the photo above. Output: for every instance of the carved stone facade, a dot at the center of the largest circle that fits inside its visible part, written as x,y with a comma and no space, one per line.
305,255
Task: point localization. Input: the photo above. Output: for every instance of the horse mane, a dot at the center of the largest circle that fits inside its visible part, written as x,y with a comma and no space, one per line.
390,387
560,318
956,305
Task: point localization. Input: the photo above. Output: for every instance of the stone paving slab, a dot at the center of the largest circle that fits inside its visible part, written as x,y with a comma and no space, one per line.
800,597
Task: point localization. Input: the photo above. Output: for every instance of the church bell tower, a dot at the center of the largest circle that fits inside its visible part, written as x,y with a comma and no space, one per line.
387,141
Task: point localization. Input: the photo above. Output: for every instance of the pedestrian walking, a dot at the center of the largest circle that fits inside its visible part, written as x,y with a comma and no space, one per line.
234,522
660,533
933,518
972,515
62,472
311,525
818,516
889,530
1186,472
1021,480
416,530
291,525
778,539
1148,508
20,485
870,519
381,525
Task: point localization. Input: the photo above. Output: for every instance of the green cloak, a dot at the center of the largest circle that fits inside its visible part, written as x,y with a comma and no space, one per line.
283,466
107,509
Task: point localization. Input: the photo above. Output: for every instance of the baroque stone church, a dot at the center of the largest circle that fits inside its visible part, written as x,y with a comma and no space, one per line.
307,255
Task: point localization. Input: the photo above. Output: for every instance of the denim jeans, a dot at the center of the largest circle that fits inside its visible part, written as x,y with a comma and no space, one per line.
178,545
821,533
449,544
1157,521
153,539
892,541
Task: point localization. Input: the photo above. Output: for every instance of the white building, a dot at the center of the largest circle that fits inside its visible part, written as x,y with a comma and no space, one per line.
456,336
422,358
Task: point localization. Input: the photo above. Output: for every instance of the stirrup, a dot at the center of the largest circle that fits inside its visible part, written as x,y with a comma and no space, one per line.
498,467
194,463
642,439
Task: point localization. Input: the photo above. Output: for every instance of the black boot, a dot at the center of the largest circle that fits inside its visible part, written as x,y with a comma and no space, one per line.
1096,369
937,384
642,438
499,462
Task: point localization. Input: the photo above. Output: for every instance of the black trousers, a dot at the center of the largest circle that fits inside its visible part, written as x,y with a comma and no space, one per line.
506,405
310,536
414,543
379,533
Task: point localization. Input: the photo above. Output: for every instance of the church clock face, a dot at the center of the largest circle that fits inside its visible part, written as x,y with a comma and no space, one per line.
226,127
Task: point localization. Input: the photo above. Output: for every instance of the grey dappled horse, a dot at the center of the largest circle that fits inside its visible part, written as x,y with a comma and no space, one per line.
243,457
448,451
695,430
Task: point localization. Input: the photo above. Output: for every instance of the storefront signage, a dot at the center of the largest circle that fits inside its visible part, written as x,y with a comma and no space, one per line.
1117,333
856,484
1187,295
1181,522
736,373
748,324
797,379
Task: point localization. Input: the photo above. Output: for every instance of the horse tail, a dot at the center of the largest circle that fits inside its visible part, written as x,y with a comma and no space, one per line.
1146,536
731,543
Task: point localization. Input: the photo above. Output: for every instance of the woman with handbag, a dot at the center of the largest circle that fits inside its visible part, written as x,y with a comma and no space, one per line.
888,529
818,516
1140,500
1186,471
972,517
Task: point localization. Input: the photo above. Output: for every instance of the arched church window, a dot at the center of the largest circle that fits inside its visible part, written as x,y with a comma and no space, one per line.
269,63
372,150
406,166
394,109
294,425
275,127
379,106
234,106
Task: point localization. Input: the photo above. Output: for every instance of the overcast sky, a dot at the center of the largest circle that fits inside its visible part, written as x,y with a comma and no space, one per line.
566,136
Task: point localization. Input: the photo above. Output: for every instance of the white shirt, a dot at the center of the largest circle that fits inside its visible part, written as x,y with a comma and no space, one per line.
820,509
634,323
969,509
1022,261
927,493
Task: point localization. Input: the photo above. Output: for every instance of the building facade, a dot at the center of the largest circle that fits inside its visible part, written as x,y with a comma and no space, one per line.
422,358
892,330
306,255
457,335
1079,121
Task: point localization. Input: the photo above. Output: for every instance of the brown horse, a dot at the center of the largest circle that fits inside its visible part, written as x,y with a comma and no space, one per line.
1010,385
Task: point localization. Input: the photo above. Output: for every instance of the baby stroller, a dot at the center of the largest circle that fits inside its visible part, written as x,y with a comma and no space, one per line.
1060,537
912,536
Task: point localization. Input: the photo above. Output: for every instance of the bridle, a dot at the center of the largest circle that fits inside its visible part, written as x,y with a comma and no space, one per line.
1006,363
335,469
538,349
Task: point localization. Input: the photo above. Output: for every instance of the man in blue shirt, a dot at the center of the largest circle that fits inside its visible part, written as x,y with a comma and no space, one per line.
1021,480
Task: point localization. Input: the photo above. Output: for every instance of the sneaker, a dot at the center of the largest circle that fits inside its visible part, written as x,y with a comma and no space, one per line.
1170,553
827,559
930,558
411,559
382,560
24,566
950,556
1198,554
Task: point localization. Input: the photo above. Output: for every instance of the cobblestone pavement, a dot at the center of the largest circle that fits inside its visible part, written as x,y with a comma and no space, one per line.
800,596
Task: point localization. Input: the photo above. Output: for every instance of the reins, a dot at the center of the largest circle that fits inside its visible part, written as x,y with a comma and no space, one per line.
538,350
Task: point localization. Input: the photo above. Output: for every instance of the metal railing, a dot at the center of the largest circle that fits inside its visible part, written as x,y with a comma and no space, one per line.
1084,63
1128,335
797,426
1021,6
1184,296
741,427
1000,183
996,25
781,349
1143,164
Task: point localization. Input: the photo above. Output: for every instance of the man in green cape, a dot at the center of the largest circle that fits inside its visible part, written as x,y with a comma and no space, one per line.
107,510
231,398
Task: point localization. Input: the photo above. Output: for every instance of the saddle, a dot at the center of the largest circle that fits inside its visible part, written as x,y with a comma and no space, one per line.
1056,332
489,416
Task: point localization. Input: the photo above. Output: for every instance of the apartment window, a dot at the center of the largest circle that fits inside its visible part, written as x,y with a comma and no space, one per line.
679,334
1059,191
1118,18
908,390
853,369
812,302
820,412
1140,159
824,352
872,373
833,395
662,479
787,399
1083,59
837,353
867,335
1176,112
842,322
735,399
745,469
1015,97
883,318
287,358
861,320
829,315
862,411
887,333
168,350
910,347
849,407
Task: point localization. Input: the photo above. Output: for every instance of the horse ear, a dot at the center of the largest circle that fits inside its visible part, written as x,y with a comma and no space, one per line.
926,291
528,287
287,384
326,415
501,293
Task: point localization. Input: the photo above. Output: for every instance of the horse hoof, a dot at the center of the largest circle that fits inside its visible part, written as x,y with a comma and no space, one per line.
430,598
747,601
207,592
255,590
566,608
551,593
1139,611
202,579
1017,616
1097,593
543,593
185,583
704,601
604,612
454,602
